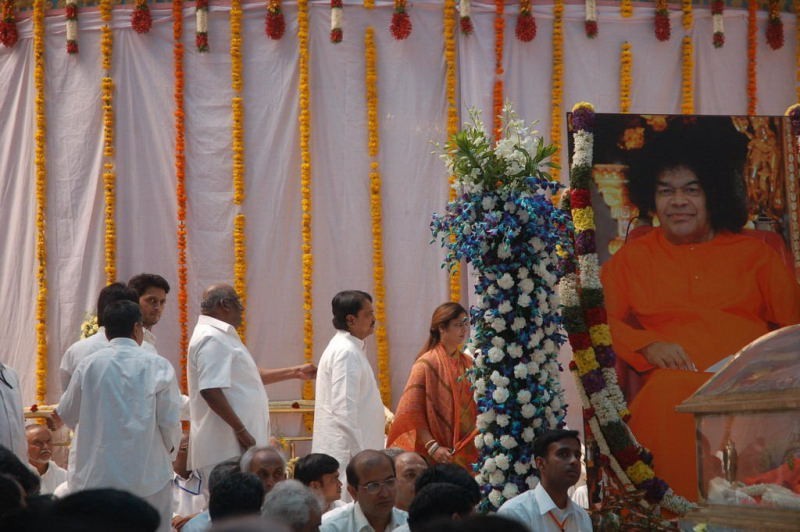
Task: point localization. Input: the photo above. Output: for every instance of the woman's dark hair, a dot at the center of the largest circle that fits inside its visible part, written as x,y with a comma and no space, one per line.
345,304
442,316
712,149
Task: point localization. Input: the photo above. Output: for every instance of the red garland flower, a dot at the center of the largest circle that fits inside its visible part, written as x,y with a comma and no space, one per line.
201,4
588,412
72,47
275,23
662,25
201,40
141,19
580,340
591,28
34,407
401,24
775,32
466,25
8,33
579,198
336,35
596,316
72,11
526,27
627,456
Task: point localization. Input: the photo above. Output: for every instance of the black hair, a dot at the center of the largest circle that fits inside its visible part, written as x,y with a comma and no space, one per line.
311,467
472,523
120,318
235,494
710,148
543,441
451,474
97,510
438,499
367,456
111,293
221,470
140,283
345,304
11,465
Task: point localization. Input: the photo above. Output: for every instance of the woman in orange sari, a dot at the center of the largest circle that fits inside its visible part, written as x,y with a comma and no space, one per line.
436,414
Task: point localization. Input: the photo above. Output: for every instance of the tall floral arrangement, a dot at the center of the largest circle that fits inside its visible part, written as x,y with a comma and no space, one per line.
504,224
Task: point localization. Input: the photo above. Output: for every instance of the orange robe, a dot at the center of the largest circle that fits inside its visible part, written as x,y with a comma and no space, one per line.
437,397
712,299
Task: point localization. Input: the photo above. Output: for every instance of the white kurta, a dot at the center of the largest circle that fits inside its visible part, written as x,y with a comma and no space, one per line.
127,402
12,418
78,351
52,478
531,509
219,359
348,412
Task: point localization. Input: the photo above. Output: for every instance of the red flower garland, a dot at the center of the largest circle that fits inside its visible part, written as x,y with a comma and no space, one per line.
201,25
401,22
717,8
590,26
526,23
71,13
336,28
275,23
662,23
140,18
774,26
8,25
464,20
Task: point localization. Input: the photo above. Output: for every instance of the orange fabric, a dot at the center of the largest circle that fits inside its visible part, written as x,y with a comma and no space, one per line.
712,299
785,475
437,397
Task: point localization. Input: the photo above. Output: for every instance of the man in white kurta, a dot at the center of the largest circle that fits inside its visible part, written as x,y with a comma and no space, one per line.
125,403
40,452
348,412
12,418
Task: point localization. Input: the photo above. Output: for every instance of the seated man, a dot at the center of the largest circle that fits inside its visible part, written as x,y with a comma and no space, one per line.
320,472
558,459
296,505
437,500
40,453
371,483
266,463
409,466
692,291
236,494
202,521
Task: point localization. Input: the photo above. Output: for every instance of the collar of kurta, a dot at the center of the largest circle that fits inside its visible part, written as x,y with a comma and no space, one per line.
124,341
546,504
217,324
361,344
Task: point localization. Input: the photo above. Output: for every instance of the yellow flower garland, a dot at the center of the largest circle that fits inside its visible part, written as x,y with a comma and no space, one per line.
557,90
304,120
109,172
40,138
687,70
237,141
625,77
180,189
449,28
626,8
373,147
687,18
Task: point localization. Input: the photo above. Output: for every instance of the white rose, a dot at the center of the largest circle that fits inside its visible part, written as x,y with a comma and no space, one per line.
549,329
495,497
514,350
520,468
500,395
479,441
524,396
543,376
521,371
479,362
510,490
489,466
503,420
523,216
519,324
499,324
528,435
503,251
537,243
502,462
528,410
496,354
505,307
480,386
532,481
497,477
536,424
539,356
526,285
505,282
508,441
488,439
487,417
523,273
488,203
555,403
492,290
524,301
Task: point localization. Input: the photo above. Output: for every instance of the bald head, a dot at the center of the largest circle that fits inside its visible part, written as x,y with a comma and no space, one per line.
220,301
266,463
365,461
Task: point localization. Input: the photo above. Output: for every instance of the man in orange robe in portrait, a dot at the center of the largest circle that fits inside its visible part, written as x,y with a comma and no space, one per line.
689,293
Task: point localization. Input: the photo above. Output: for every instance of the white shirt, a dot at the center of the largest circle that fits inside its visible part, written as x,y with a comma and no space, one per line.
127,402
199,523
219,359
12,418
52,478
187,494
348,411
78,351
350,518
531,509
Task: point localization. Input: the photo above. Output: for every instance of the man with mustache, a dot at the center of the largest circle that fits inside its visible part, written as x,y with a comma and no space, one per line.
40,454
348,411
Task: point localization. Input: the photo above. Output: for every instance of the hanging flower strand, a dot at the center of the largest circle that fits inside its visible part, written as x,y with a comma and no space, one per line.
687,71
625,77
71,13
449,22
752,80
336,21
464,14
275,24
141,20
590,21
557,87
8,24
687,15
626,8
497,89
774,26
662,22
201,25
526,23
717,10
109,171
401,22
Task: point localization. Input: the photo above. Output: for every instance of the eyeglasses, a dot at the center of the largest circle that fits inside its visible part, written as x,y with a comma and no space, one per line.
374,487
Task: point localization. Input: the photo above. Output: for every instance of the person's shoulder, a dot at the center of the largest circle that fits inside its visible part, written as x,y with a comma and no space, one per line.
519,503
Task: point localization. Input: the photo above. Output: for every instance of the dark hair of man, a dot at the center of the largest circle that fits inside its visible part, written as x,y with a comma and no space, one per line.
472,523
345,304
367,456
543,441
11,465
221,470
713,150
140,283
438,499
310,468
111,293
120,318
102,510
235,494
451,474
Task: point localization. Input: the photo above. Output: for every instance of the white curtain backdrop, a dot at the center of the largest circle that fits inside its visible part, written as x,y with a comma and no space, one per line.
412,114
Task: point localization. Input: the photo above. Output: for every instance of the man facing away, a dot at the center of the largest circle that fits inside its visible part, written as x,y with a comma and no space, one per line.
12,416
40,454
348,411
548,507
152,290
126,400
228,402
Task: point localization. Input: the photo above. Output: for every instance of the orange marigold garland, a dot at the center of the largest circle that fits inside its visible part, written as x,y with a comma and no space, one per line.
109,171
626,8
201,25
8,24
40,161
71,13
464,17
180,192
625,77
141,21
662,23
497,91
687,16
557,88
687,72
275,23
752,82
774,25
336,21
449,30
237,144
590,20
717,10
401,22
526,23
